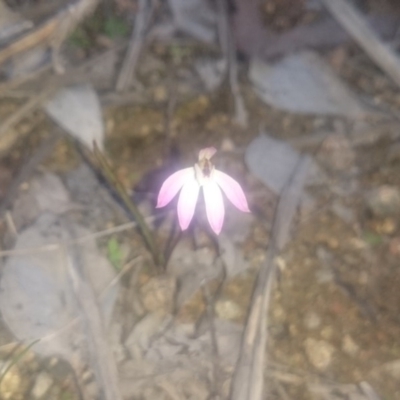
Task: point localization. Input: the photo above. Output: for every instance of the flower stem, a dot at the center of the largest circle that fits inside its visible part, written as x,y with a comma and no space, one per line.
146,233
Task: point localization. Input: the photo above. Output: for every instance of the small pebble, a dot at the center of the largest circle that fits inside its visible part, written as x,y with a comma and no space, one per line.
349,346
42,385
319,353
383,201
324,275
227,309
327,332
158,294
336,152
312,320
160,94
227,145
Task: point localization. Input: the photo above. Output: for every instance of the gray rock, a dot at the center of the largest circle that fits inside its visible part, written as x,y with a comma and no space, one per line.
36,295
303,83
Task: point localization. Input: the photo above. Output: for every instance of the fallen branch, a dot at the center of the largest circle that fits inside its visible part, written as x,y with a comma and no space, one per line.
32,39
50,85
355,24
248,380
100,354
52,32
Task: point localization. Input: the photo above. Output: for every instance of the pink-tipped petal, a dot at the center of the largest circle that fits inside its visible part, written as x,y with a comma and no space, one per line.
214,205
207,153
173,185
187,202
232,190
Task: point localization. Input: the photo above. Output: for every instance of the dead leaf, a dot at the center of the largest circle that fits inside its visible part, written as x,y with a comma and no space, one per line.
77,110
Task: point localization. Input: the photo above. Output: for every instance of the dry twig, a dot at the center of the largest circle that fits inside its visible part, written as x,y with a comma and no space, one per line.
79,240
52,32
248,379
50,86
355,24
101,356
210,304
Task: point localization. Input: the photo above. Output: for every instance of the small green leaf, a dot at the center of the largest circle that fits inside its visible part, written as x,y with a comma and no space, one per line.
80,38
116,27
17,358
372,239
67,396
114,253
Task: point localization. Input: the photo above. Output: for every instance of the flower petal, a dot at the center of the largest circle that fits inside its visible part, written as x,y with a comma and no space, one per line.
173,185
214,205
187,202
232,189
207,153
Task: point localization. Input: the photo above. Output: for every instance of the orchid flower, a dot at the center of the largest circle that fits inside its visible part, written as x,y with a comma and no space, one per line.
203,175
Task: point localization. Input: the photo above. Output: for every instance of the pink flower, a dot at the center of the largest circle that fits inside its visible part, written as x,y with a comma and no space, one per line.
189,181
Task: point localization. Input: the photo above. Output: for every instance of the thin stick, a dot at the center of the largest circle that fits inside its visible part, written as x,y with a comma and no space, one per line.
100,354
248,381
54,31
31,39
210,304
229,52
50,86
79,240
355,24
20,80
128,67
